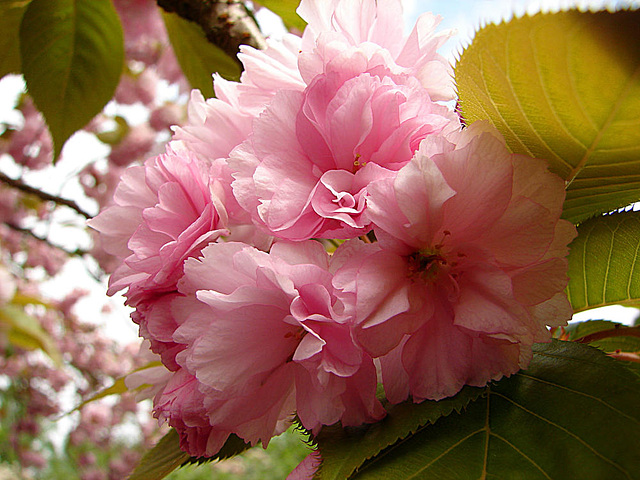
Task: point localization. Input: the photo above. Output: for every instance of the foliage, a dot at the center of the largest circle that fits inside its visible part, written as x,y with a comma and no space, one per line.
568,396
540,80
72,54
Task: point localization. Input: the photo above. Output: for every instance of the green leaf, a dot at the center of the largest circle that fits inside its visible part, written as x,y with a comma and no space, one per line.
72,56
25,331
11,12
115,136
166,456
118,387
572,414
604,262
344,449
286,10
197,57
162,459
564,87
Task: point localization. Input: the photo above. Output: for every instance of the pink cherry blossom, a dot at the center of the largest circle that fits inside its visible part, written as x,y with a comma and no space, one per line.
358,116
252,320
338,28
305,169
469,268
164,212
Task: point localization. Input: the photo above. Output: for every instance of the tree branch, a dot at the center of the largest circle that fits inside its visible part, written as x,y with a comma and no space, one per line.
20,185
226,23
78,252
618,331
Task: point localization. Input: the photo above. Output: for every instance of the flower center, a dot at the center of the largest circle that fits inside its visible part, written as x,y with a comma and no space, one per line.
357,163
425,266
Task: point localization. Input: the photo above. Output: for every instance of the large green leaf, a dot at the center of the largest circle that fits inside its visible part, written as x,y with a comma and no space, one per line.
564,87
344,450
286,9
572,414
197,57
604,262
72,56
11,12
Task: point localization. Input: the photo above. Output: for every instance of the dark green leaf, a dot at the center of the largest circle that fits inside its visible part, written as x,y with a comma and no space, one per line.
572,414
564,87
604,262
72,56
232,447
197,57
344,450
11,12
286,10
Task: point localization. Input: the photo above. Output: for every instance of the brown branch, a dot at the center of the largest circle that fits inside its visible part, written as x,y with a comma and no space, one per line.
78,252
621,331
226,23
20,185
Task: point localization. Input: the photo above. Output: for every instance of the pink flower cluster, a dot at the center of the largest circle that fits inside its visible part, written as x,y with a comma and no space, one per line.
450,259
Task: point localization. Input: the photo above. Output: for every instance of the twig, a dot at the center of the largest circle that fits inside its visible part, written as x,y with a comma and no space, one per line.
20,185
78,252
621,331
226,23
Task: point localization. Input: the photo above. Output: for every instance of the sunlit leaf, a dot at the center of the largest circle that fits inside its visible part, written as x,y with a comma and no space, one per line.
119,387
197,57
25,331
564,87
11,12
344,450
572,414
161,460
286,10
72,56
604,262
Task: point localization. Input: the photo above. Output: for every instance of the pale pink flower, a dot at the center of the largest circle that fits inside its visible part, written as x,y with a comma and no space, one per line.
136,144
144,30
165,116
339,28
260,325
469,267
305,169
164,212
30,145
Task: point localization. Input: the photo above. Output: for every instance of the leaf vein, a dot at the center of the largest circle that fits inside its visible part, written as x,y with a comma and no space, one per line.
525,456
577,392
569,433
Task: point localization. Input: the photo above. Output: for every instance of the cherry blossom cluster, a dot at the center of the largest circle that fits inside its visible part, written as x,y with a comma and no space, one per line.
326,225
